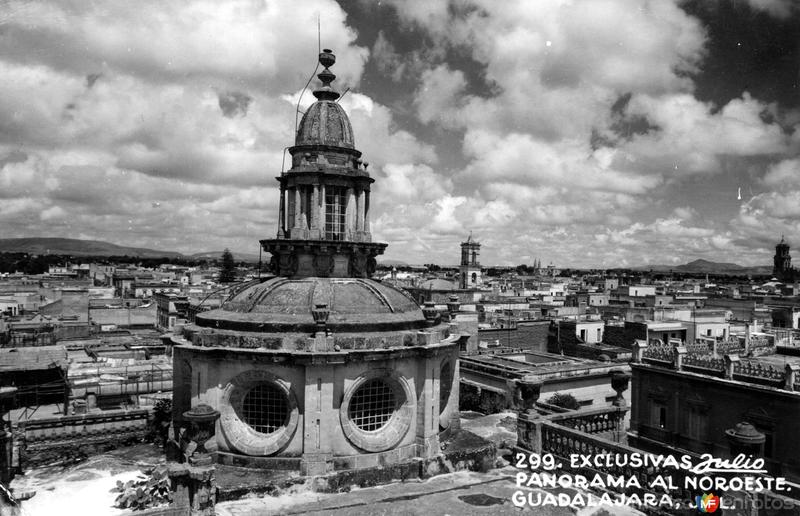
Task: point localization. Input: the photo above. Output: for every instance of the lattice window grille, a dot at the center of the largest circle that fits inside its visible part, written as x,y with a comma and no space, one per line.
265,409
335,212
372,405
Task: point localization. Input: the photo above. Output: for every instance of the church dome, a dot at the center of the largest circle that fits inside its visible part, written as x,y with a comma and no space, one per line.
325,123
354,305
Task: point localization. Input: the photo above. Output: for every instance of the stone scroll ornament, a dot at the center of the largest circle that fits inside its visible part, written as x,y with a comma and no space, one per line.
323,265
372,265
287,264
358,265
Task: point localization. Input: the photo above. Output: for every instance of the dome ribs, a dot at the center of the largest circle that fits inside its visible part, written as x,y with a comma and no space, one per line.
377,293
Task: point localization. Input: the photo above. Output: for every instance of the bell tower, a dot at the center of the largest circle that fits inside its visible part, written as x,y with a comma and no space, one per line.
323,218
470,268
782,262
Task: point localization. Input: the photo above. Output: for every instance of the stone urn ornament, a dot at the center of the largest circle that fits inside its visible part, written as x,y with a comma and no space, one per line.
201,418
528,390
430,312
453,304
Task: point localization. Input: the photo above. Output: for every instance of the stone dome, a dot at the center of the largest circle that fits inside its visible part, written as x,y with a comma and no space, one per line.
325,123
286,305
745,433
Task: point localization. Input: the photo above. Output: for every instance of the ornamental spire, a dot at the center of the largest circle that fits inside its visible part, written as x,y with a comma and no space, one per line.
326,92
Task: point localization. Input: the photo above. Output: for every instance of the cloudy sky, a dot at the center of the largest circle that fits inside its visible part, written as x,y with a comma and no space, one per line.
580,132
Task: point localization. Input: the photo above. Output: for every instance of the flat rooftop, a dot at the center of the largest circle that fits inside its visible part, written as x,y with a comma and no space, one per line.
665,325
538,363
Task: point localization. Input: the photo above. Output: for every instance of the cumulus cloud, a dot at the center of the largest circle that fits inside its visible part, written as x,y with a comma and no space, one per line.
784,174
777,8
579,126
438,93
237,42
540,126
112,110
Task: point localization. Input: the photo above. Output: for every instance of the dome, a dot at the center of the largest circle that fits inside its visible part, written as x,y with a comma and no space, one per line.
286,304
745,433
438,284
325,123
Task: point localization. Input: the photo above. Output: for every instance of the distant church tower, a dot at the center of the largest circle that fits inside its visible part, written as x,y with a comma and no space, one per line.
470,267
782,263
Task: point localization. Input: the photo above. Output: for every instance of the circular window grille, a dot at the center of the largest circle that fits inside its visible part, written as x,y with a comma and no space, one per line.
265,408
372,405
445,386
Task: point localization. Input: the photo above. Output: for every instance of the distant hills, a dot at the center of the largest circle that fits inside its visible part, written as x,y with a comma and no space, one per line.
77,247
709,267
239,257
392,263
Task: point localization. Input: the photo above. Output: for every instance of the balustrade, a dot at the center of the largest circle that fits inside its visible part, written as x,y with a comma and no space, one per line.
704,362
564,442
757,370
591,422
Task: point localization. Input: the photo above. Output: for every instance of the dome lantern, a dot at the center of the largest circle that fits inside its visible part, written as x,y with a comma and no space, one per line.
323,219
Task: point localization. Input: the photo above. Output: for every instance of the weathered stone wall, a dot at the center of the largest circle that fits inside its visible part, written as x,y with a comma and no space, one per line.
319,384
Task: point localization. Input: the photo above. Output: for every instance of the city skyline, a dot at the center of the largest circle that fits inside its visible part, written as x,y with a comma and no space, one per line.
587,134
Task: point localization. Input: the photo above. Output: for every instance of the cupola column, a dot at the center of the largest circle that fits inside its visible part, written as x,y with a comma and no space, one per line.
282,212
321,209
360,210
349,216
314,211
298,213
366,211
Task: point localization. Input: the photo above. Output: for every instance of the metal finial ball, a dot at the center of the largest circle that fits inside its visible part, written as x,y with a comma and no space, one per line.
326,58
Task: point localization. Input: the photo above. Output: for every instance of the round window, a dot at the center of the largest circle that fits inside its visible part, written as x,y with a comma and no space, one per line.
259,414
372,405
377,410
265,408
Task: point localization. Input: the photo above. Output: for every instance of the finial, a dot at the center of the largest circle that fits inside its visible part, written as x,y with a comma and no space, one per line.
326,59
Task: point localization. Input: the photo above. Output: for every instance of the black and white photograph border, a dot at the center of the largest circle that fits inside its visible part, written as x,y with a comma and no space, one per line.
399,257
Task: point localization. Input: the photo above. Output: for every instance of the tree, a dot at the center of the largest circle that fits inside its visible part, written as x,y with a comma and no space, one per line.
162,417
564,400
228,272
